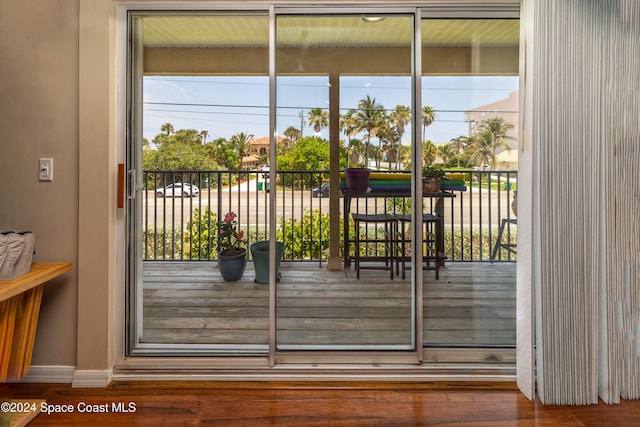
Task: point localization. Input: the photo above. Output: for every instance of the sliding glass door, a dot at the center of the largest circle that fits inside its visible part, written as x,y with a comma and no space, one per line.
342,81
259,113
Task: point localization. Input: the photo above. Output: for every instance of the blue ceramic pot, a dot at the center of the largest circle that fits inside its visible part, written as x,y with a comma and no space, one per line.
232,267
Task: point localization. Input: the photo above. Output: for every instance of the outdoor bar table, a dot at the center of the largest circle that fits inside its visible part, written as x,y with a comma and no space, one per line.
437,207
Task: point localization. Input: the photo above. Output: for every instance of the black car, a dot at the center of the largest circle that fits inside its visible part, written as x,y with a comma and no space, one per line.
321,191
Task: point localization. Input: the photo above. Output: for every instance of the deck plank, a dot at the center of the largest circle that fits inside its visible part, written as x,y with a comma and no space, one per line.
473,304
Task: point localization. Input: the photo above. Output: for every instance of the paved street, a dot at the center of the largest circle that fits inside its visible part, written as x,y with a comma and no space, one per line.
475,206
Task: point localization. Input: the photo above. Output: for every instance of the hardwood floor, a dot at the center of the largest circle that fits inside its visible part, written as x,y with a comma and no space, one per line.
309,404
473,304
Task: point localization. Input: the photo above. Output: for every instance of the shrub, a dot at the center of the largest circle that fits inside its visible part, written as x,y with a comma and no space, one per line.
307,238
398,205
160,242
201,237
470,244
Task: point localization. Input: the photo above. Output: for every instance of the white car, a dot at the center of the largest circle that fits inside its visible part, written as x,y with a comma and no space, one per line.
179,189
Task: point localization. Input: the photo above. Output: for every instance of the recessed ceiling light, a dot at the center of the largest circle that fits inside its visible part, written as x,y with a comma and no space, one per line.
372,18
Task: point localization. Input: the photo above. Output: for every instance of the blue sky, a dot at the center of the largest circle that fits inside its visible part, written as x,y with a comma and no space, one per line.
225,105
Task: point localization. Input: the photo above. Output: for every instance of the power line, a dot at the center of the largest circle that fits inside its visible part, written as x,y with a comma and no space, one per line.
346,86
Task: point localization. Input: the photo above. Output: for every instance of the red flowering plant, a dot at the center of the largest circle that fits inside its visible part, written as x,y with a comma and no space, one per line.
229,238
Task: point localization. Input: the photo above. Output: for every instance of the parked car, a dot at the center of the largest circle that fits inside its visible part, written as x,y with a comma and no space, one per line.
321,191
178,189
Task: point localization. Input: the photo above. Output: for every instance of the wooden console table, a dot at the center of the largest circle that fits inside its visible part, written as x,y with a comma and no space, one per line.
19,309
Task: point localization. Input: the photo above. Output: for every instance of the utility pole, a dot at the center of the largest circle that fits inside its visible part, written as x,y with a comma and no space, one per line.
302,122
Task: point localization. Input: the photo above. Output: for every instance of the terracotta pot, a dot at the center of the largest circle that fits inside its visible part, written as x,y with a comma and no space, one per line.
431,185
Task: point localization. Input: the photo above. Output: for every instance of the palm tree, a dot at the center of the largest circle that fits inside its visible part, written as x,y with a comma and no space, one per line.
390,137
400,117
355,152
482,146
167,127
318,119
446,153
369,117
458,145
240,142
204,135
404,156
429,152
292,135
491,135
350,127
499,129
348,123
428,117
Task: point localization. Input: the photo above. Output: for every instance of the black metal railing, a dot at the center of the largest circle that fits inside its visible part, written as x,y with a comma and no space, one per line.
182,225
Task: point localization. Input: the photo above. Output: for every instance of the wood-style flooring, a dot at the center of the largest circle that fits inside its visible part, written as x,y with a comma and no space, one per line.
308,404
473,304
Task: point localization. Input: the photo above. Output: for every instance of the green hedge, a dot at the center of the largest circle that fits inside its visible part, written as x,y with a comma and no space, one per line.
306,239
476,245
160,243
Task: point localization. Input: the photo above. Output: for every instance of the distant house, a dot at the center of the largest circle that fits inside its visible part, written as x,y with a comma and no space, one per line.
260,146
250,160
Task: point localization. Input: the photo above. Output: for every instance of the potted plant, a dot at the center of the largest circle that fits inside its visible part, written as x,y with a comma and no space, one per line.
432,177
232,257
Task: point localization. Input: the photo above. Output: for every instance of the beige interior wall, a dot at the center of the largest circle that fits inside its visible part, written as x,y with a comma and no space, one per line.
39,98
57,77
97,248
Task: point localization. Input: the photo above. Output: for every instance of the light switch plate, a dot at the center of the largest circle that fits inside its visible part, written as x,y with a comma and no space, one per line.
45,172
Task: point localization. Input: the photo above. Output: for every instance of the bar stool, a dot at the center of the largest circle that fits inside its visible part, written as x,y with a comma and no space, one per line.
389,238
430,253
510,247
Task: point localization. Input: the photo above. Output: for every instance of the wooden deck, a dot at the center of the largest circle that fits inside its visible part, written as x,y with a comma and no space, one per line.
473,305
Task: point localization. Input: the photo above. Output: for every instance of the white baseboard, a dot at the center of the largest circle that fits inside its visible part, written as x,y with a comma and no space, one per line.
67,375
50,374
92,378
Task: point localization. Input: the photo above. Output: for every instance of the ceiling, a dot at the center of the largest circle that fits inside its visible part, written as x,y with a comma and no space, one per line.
251,31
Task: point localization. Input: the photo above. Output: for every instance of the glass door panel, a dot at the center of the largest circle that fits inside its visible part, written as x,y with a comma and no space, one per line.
343,82
204,120
470,121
